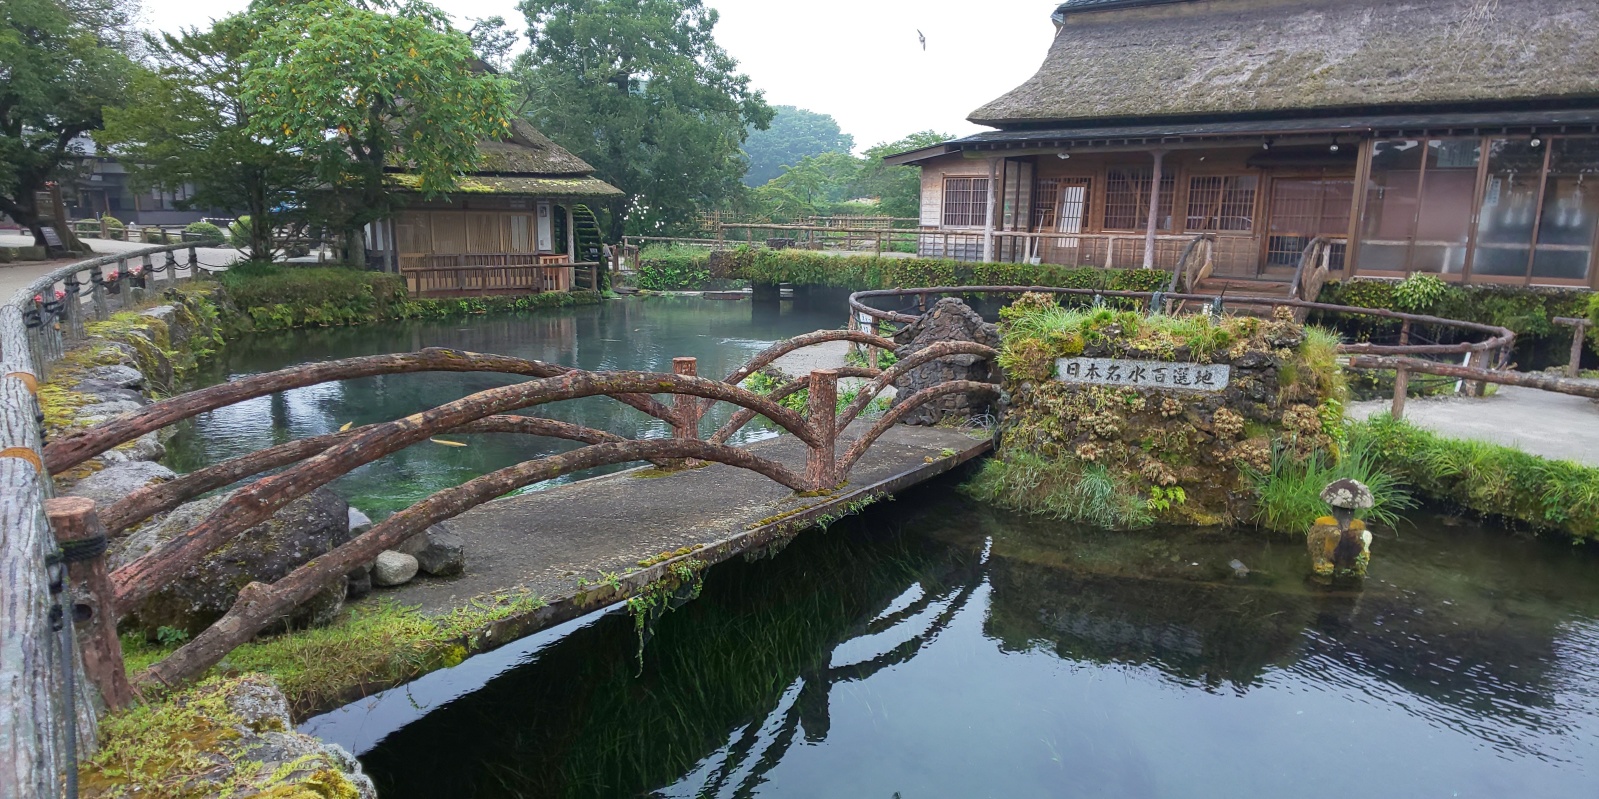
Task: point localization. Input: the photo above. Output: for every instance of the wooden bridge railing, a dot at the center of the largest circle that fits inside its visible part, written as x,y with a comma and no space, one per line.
316,461
44,720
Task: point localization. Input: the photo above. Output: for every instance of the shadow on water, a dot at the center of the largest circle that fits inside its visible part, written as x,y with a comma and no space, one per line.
934,647
630,334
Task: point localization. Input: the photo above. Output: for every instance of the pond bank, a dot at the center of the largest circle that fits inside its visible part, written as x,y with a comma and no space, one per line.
1542,423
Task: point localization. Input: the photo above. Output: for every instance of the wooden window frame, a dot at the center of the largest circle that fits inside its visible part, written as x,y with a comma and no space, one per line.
974,208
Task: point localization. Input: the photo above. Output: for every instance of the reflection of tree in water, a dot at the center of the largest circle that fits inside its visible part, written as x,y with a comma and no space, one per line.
733,680
739,673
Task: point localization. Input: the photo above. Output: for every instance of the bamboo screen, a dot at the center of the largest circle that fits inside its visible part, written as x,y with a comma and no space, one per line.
451,232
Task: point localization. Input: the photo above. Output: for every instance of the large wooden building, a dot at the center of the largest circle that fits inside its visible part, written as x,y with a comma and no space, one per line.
513,225
1380,137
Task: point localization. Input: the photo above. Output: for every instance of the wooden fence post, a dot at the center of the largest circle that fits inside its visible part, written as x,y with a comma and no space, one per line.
82,539
1401,378
821,462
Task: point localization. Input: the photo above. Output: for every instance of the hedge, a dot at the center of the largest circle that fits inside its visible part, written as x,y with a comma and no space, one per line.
281,297
810,268
1527,311
1560,496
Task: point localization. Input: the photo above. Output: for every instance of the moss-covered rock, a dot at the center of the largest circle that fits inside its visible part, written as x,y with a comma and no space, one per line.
225,737
1125,456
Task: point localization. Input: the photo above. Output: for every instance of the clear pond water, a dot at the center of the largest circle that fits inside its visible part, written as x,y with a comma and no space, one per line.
934,647
635,333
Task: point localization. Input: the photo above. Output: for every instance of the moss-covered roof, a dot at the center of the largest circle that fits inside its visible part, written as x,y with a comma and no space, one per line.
1242,56
578,186
526,151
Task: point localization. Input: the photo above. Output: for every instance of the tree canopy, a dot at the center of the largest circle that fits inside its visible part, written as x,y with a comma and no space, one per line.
898,189
61,63
187,125
794,134
355,87
641,90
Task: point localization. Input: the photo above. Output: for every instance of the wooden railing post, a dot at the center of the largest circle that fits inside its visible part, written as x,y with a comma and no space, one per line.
821,463
172,267
685,409
1401,378
82,539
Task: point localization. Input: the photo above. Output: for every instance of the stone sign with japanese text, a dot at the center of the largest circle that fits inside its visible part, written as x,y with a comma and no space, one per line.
1144,374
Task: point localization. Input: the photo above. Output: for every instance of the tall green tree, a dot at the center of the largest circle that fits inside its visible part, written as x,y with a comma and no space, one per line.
897,188
794,134
359,86
61,64
187,124
813,187
641,90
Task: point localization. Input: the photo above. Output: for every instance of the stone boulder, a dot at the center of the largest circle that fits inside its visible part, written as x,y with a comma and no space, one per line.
948,320
118,480
439,551
393,568
235,732
308,527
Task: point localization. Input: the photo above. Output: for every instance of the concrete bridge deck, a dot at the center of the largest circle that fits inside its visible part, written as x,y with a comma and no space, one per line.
545,542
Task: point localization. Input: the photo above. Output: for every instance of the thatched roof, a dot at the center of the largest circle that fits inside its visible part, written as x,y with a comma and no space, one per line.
525,151
1224,57
578,186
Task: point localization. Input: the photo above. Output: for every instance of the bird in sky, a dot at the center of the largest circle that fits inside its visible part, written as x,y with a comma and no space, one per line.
923,37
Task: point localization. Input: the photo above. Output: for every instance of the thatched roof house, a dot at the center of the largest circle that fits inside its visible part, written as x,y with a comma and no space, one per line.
516,223
1267,126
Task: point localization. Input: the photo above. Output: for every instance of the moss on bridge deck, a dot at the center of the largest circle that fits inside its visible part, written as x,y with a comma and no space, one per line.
637,535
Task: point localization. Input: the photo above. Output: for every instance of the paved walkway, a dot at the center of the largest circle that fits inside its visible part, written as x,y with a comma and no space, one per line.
1557,426
545,542
15,276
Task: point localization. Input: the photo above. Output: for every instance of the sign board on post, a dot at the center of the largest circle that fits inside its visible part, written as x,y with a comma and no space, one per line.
52,240
1144,374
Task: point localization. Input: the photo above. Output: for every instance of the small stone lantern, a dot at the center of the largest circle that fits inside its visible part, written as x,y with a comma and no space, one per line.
1340,544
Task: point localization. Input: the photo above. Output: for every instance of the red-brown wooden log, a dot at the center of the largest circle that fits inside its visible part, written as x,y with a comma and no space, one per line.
153,499
744,415
94,612
259,604
846,464
1539,380
942,349
256,502
781,348
821,459
71,450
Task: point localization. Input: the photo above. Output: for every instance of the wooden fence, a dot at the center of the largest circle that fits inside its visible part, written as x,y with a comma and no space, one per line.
44,716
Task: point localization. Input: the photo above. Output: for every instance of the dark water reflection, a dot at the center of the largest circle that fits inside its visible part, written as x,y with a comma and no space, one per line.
636,333
935,648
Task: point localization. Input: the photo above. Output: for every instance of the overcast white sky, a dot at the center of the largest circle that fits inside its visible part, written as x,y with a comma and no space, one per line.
858,60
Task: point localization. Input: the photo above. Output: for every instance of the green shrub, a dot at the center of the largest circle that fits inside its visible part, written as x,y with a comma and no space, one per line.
239,233
1561,496
1419,292
1288,498
202,231
279,297
114,229
673,268
1527,311
153,235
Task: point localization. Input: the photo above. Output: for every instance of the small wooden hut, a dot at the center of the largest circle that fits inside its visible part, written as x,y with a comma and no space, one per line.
1374,137
513,226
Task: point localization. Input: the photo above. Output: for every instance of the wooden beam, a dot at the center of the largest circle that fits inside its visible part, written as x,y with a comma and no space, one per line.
1154,209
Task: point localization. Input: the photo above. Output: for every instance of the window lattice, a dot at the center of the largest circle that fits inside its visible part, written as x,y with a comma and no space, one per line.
1060,204
965,202
1222,203
1127,198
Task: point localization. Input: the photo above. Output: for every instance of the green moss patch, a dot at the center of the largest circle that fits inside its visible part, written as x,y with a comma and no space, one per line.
1124,457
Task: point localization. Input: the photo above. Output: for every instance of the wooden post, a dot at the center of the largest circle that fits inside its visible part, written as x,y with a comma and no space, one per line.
821,461
1401,378
685,409
1154,209
1579,329
993,200
77,526
1477,360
